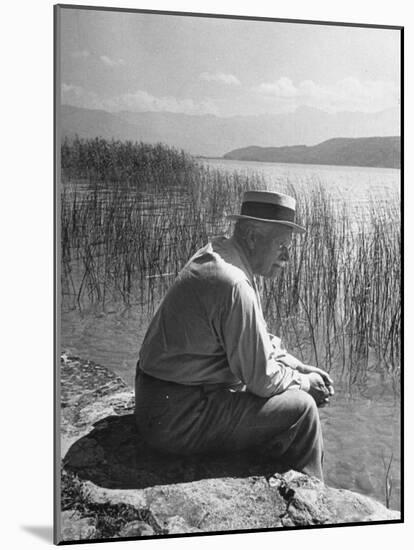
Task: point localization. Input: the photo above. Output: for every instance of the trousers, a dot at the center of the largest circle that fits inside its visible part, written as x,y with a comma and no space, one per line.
185,420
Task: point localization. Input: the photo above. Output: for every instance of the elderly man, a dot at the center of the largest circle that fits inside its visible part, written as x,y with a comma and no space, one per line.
210,377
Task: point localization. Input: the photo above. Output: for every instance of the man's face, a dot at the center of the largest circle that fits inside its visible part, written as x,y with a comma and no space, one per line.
271,253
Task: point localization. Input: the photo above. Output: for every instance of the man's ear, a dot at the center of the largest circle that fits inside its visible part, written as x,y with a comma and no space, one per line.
250,239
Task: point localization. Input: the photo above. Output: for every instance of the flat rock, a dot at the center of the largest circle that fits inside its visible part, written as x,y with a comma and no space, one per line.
74,527
136,529
163,494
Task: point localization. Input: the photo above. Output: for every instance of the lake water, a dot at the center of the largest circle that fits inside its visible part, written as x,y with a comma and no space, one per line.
354,184
361,428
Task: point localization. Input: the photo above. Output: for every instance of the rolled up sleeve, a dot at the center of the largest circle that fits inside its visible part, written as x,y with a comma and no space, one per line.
249,348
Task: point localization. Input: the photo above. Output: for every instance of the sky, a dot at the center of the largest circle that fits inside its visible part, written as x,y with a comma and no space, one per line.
120,61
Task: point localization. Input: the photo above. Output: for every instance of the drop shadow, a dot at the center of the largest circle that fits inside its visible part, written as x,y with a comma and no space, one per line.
42,532
114,455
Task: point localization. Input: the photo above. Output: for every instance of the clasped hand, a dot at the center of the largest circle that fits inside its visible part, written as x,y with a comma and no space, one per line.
321,384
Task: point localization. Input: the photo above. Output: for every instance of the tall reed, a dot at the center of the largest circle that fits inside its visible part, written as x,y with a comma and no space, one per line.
132,215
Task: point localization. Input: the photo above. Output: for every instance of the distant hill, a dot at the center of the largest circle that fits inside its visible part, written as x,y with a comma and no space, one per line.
384,152
209,135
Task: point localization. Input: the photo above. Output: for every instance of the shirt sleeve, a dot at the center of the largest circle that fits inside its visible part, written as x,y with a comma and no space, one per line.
249,348
281,353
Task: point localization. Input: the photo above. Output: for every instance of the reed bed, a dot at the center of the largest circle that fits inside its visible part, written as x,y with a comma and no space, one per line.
132,215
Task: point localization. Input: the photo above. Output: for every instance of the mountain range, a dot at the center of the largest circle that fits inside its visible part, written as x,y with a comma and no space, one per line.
383,152
210,135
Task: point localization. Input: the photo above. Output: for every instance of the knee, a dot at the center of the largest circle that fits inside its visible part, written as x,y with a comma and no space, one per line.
293,406
305,405
307,400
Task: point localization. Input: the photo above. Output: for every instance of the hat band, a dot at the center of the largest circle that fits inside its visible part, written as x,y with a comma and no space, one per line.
267,211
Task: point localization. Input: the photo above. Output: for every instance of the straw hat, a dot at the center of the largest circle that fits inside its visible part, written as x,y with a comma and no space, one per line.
267,206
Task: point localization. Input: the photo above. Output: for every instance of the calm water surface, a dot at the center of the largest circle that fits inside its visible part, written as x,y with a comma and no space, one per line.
351,183
362,428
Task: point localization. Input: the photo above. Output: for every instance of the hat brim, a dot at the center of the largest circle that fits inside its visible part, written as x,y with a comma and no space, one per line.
296,228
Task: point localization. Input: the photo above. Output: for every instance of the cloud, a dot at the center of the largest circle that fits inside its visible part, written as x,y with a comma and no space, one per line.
111,62
228,79
137,101
80,54
283,88
348,94
71,89
78,96
143,101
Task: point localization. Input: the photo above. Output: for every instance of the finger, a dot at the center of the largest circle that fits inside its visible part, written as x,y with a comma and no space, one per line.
326,394
324,390
322,373
326,376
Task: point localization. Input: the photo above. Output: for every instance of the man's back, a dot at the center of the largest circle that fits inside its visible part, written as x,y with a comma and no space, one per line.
184,342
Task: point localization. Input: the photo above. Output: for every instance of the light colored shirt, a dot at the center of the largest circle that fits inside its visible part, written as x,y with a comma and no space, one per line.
210,329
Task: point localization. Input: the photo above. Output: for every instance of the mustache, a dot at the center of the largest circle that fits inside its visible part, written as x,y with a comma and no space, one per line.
284,257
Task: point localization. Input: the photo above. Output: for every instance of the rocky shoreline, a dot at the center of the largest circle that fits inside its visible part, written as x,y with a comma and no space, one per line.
113,486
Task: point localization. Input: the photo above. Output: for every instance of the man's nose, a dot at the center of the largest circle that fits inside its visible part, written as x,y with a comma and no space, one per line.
284,253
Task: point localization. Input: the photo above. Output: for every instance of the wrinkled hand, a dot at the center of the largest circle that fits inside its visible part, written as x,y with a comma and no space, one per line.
309,369
318,389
